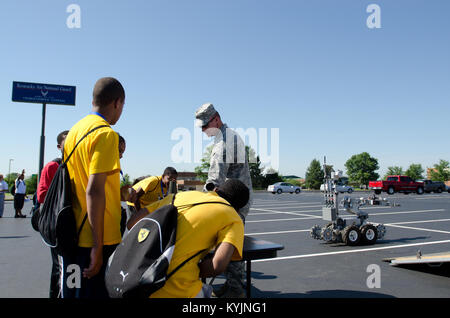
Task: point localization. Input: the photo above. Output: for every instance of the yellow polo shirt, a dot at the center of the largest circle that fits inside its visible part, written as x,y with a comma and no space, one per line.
97,153
200,227
152,190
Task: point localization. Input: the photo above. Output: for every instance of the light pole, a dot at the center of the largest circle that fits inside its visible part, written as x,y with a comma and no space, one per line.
9,171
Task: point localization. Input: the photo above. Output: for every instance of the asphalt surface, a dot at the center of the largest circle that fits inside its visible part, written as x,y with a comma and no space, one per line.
305,268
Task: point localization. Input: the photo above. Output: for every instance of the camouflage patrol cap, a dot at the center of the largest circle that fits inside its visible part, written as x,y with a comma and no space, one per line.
204,114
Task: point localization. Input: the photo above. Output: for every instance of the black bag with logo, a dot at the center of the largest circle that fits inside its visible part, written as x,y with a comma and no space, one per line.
56,221
139,264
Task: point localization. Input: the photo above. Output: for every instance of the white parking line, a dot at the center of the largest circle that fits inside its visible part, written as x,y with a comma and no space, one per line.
287,212
279,232
427,221
283,203
349,251
260,213
273,201
432,198
390,224
417,228
287,206
283,220
319,217
406,212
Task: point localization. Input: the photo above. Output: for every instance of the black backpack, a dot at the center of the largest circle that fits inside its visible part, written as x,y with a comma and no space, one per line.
13,189
138,267
56,221
36,205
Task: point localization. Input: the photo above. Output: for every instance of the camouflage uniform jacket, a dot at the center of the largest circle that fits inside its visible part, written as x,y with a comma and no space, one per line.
229,161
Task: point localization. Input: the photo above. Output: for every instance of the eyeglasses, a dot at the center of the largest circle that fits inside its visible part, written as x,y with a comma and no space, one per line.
206,126
209,122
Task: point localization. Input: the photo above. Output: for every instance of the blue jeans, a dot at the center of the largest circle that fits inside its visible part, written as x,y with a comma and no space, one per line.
2,203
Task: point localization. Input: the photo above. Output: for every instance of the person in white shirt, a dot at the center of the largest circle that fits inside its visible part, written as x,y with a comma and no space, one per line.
3,190
19,196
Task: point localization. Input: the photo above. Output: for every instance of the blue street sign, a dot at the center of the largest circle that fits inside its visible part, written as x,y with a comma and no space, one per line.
43,93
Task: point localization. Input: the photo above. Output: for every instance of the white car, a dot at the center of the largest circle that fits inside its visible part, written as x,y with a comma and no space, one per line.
340,188
281,187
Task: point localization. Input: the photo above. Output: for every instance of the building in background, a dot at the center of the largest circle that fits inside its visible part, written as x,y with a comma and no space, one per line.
429,170
188,181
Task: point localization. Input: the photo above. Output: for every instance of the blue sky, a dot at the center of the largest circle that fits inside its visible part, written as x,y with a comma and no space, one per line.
312,69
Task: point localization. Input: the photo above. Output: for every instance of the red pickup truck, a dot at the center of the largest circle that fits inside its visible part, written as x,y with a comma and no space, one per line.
394,184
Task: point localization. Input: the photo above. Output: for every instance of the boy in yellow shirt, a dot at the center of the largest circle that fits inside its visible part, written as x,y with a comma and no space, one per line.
94,169
152,189
204,226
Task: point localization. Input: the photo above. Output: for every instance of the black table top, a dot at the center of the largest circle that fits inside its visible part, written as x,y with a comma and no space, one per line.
259,249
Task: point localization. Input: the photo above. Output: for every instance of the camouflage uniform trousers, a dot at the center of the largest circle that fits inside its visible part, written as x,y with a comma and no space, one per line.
235,272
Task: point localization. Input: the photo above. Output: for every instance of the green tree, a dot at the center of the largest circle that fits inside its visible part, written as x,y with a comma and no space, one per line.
125,180
314,175
254,164
415,171
328,169
271,176
361,168
440,171
295,182
31,184
10,178
393,171
202,170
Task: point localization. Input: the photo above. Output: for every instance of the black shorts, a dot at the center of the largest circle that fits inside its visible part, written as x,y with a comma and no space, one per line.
19,200
72,274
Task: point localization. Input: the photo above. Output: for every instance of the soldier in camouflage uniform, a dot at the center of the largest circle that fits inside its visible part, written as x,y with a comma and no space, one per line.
228,161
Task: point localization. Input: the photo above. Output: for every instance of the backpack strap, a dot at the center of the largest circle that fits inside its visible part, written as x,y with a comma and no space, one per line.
199,252
182,264
57,160
68,157
64,162
199,203
82,223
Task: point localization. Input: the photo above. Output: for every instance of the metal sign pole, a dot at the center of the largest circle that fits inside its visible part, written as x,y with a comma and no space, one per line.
41,152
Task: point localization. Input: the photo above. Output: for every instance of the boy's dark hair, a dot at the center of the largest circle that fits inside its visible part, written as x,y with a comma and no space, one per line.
61,136
235,192
170,171
140,179
107,90
121,139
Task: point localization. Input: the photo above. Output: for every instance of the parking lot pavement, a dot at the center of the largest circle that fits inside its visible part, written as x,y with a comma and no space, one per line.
313,268
25,261
305,268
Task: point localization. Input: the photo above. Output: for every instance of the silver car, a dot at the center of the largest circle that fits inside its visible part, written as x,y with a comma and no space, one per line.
340,188
281,187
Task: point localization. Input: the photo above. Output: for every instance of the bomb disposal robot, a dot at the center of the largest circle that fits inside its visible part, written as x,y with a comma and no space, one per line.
351,231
